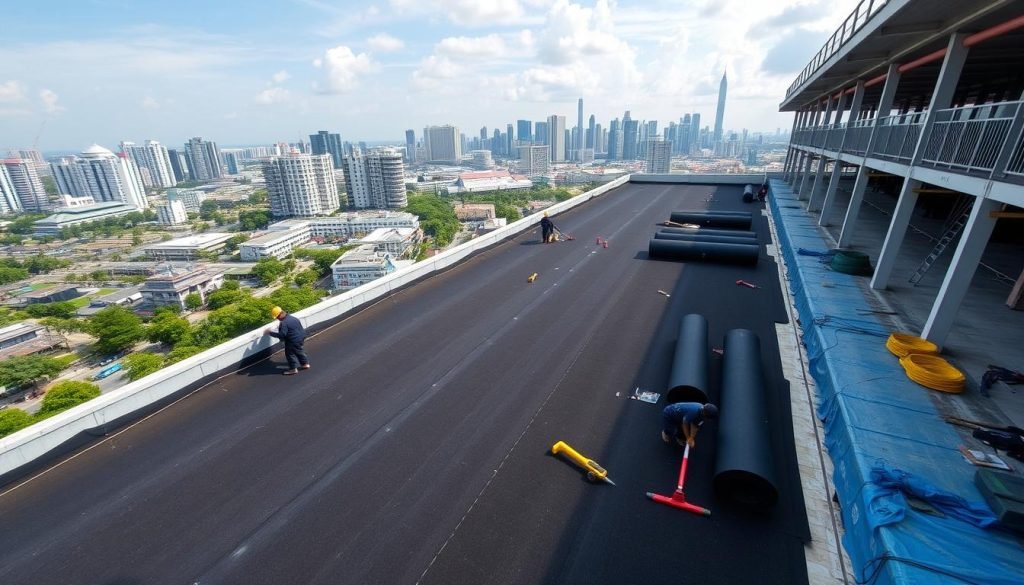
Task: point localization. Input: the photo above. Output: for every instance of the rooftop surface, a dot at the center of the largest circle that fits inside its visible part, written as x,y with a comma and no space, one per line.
415,450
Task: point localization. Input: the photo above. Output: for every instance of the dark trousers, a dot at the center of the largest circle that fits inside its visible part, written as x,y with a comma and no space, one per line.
546,234
295,355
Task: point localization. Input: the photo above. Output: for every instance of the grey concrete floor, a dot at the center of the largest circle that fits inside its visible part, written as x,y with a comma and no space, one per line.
985,332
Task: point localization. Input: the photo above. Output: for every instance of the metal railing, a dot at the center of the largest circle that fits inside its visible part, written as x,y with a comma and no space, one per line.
896,136
860,16
835,137
857,136
969,138
1015,166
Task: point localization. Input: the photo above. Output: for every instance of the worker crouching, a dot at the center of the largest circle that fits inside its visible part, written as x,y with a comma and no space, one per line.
291,331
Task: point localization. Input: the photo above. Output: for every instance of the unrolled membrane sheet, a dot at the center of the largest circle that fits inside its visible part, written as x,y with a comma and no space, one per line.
873,414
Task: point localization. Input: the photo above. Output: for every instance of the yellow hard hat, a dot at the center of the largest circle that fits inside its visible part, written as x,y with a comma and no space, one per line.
276,311
545,214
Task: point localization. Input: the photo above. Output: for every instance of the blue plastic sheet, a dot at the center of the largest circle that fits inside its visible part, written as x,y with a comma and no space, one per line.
876,418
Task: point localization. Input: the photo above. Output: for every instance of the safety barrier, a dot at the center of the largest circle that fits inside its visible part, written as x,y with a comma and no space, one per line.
69,429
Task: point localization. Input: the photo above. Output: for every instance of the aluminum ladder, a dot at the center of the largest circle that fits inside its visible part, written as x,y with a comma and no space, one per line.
961,214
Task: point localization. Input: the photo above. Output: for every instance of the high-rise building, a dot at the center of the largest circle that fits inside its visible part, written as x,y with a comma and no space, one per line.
410,146
324,142
556,131
720,112
629,137
659,155
376,180
153,161
614,140
178,165
25,185
171,212
540,135
443,144
524,130
482,159
534,161
598,138
483,133
203,159
578,145
102,175
9,202
301,185
231,162
192,199
591,133
695,140
498,142
509,141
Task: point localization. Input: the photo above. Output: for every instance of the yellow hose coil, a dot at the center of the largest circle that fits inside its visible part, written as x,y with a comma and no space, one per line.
902,344
932,371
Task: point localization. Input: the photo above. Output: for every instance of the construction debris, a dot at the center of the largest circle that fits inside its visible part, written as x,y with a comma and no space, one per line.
742,282
532,277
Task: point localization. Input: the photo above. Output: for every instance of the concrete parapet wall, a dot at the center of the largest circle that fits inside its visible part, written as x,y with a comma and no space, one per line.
30,447
697,179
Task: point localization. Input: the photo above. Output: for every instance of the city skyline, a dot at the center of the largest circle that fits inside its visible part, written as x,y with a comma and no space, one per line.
372,73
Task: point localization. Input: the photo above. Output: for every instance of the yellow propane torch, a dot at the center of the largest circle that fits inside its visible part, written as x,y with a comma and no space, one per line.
594,471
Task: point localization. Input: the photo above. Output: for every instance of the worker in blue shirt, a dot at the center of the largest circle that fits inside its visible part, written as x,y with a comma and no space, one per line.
682,420
290,330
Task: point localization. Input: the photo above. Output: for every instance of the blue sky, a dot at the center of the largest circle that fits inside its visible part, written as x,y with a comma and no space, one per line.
259,71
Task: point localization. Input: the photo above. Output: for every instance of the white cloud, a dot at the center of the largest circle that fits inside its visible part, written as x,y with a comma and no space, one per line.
12,91
274,95
280,77
436,72
49,99
489,46
343,68
150,103
466,12
384,43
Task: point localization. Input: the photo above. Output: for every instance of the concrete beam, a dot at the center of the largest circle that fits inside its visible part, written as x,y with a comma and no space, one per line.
958,277
819,182
894,237
853,211
803,182
830,191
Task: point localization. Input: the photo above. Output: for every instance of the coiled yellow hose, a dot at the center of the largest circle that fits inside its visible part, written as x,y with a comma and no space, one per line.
902,344
932,371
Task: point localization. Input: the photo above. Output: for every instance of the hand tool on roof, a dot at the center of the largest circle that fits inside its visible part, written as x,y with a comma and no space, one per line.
532,277
594,471
678,498
742,282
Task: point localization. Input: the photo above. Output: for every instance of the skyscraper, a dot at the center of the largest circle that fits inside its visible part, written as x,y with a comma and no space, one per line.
534,160
720,112
659,155
483,133
203,159
578,146
231,162
153,161
24,185
323,142
376,180
178,166
442,144
598,138
540,130
509,141
614,140
524,130
410,146
301,185
629,137
591,134
556,133
102,175
9,202
695,143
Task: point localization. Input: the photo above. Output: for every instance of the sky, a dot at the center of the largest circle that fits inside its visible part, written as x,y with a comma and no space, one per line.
258,71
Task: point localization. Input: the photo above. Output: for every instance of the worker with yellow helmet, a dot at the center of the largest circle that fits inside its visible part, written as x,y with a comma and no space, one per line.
547,229
291,331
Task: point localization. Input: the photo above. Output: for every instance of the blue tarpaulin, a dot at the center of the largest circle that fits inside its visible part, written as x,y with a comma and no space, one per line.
877,420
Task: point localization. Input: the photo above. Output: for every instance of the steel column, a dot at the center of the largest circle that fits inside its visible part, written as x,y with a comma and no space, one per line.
894,237
958,278
856,198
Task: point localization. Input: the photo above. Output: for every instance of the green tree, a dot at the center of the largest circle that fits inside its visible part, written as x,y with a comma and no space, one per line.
507,211
193,301
64,326
66,394
40,264
116,328
269,270
29,369
140,365
232,244
253,219
181,352
225,296
25,223
137,236
167,327
294,299
9,275
306,278
14,419
322,259
258,197
99,275
207,209
437,218
62,309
